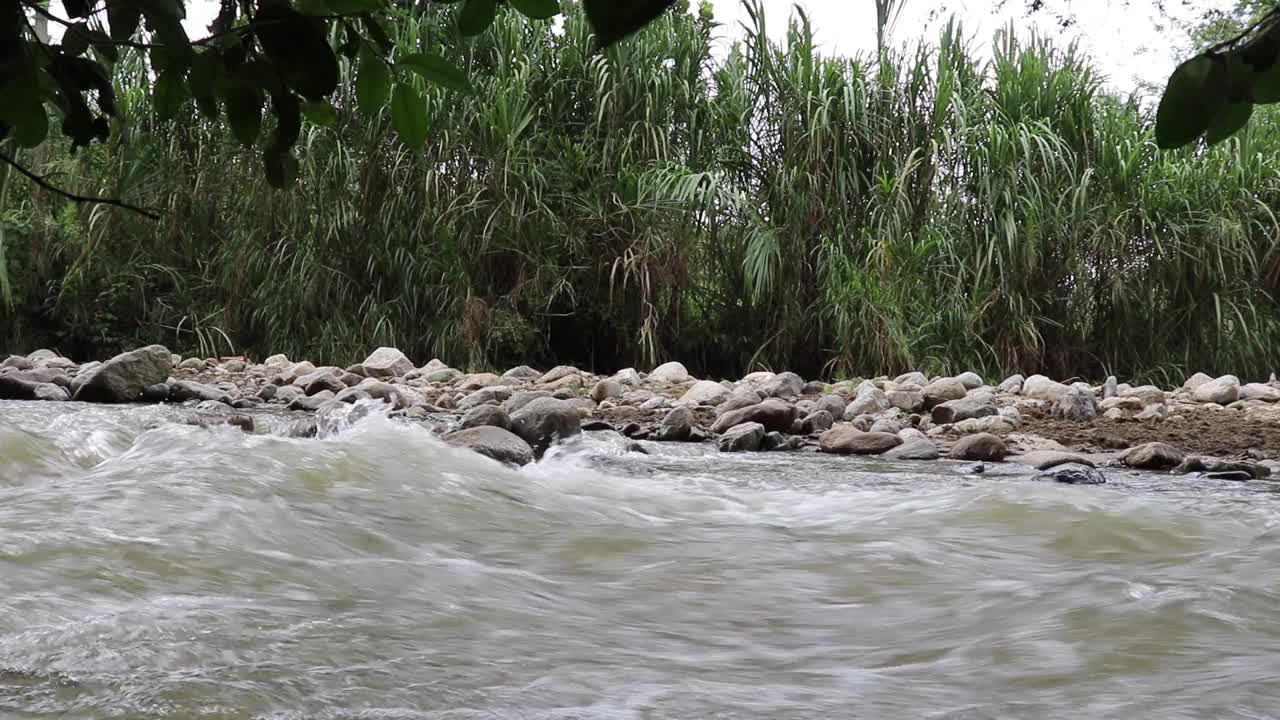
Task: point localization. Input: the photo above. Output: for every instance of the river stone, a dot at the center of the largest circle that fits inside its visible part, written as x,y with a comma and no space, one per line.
1196,463
787,386
351,395
869,401
1159,411
1039,387
705,392
17,362
677,426
813,387
558,372
1260,391
477,381
1223,391
159,393
672,372
486,396
43,375
848,440
741,397
1145,394
886,425
982,446
1074,474
123,377
627,376
184,390
970,380
15,388
910,401
1196,381
321,383
759,377
953,411
1075,406
816,422
1110,388
286,394
745,437
943,390
308,403
1012,385
912,378
914,448
267,392
1153,456
486,416
773,414
1045,459
522,372
49,392
387,362
442,375
196,364
607,390
656,403
1132,404
774,442
493,442
545,420
832,403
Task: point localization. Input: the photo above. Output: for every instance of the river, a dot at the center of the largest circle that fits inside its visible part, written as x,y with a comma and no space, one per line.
155,570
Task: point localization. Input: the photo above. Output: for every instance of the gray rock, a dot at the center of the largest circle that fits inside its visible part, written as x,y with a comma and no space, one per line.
914,448
886,425
286,394
123,377
982,446
1074,474
17,362
848,440
995,424
1144,394
816,422
387,362
739,398
492,395
953,411
493,442
43,375
193,363
545,420
1223,391
522,372
1159,411
912,378
1039,387
787,386
277,361
352,395
869,401
775,441
1110,388
569,383
672,372
656,403
705,392
159,393
814,387
184,390
476,381
267,393
1260,391
288,375
50,393
442,375
1075,406
486,416
1212,465
677,426
607,390
832,403
322,383
911,401
1153,456
1045,459
627,376
745,437
308,403
773,414
970,380
1196,381
1012,384
943,390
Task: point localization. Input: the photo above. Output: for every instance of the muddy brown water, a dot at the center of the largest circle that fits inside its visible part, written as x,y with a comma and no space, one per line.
156,570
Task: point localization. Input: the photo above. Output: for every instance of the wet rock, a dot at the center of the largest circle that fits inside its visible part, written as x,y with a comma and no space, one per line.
816,422
773,414
1231,475
184,390
1153,456
1260,391
983,446
311,403
848,440
493,442
910,401
914,448
606,390
522,372
387,362
43,375
49,392
486,416
970,380
975,469
267,393
869,401
1012,385
322,383
677,426
1039,387
123,377
1195,463
745,437
672,372
774,442
1074,474
705,392
545,420
1045,459
1223,391
1075,406
786,386
157,393
953,411
597,426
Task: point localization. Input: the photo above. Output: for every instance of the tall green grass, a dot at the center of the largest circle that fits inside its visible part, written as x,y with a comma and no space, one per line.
768,207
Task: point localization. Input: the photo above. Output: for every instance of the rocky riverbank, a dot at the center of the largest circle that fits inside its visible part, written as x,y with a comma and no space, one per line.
1209,426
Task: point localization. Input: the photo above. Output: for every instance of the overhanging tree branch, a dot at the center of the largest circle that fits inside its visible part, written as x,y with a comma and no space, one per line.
38,180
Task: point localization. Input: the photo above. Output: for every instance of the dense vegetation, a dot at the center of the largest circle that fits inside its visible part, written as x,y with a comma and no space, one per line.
774,207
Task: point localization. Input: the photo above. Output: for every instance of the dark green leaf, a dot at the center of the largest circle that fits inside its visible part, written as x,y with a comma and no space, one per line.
123,17
1228,122
537,9
373,82
31,125
436,69
377,33
355,7
1197,90
23,109
476,16
613,20
300,49
281,168
320,113
203,81
76,39
170,94
288,114
243,102
312,7
409,115
174,50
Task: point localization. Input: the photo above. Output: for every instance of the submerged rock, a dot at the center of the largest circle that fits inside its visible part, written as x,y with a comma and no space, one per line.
1074,474
493,442
1046,459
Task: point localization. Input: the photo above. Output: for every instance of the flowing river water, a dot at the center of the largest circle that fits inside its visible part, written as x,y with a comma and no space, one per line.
156,570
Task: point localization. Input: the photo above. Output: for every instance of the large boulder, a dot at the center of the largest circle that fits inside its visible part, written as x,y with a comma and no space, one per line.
787,386
485,416
677,426
705,392
17,362
545,420
741,397
1153,456
869,401
1039,387
848,440
953,411
493,442
773,414
1196,381
672,372
970,380
1223,391
746,437
983,446
943,390
905,399
387,362
1260,391
1076,406
123,377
